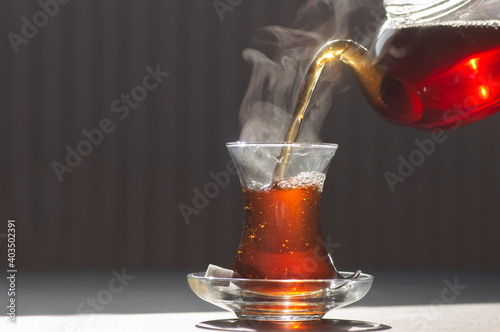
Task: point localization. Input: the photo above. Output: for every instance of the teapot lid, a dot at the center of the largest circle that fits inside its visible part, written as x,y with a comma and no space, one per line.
401,11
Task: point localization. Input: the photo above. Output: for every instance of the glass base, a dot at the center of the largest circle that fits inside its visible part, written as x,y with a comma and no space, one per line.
280,299
280,316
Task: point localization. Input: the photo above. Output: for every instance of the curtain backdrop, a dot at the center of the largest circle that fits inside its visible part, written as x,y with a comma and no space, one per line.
119,204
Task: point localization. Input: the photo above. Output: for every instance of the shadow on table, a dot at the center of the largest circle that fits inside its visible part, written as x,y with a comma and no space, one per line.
331,325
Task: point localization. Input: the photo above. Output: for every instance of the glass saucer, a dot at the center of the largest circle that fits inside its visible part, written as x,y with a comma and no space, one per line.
280,299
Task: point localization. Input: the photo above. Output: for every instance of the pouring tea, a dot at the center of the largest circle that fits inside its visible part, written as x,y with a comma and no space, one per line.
434,65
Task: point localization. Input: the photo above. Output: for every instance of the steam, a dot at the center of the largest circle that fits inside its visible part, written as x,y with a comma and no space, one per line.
269,102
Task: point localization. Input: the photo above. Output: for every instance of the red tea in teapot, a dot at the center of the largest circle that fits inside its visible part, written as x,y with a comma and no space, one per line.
454,69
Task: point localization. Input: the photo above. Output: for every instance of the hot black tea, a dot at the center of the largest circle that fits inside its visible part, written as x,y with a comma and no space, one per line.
282,234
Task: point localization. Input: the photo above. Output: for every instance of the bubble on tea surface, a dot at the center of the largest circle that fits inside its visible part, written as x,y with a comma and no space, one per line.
304,179
256,185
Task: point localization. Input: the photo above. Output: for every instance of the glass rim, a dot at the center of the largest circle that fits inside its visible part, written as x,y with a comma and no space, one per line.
282,144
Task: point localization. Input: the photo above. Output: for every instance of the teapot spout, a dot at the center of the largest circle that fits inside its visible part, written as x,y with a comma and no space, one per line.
390,96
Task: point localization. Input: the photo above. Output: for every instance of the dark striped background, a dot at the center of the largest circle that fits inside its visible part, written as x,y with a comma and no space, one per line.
120,206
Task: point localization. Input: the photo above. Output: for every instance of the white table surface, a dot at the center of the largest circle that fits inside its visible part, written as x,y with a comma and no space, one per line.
460,317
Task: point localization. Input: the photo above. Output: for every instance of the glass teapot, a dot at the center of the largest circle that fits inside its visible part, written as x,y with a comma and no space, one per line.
434,64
